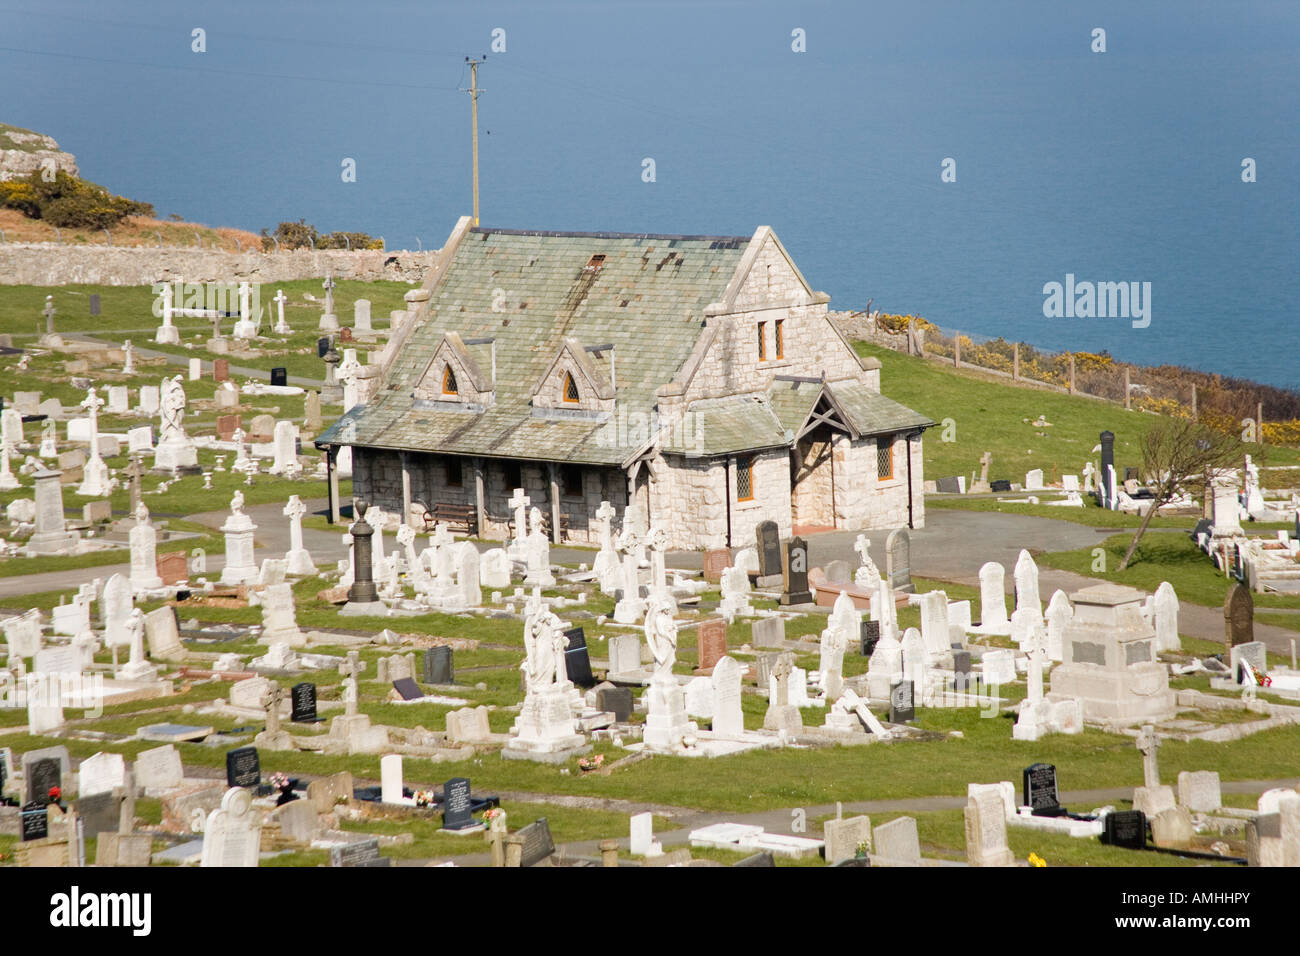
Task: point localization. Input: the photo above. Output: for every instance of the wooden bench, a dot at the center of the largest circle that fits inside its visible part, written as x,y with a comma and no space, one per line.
463,517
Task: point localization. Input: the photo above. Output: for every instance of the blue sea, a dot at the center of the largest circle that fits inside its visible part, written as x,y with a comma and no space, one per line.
1117,166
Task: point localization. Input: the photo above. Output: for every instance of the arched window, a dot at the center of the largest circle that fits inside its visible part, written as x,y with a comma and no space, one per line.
571,388
449,382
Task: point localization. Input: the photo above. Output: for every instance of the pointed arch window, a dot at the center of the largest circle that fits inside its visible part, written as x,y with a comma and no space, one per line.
449,386
571,393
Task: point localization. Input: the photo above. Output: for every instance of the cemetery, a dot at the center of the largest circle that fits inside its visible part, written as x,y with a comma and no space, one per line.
276,591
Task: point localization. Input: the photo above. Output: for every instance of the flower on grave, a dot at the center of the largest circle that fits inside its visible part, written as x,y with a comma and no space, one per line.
424,798
591,763
280,781
492,813
861,850
55,794
1036,860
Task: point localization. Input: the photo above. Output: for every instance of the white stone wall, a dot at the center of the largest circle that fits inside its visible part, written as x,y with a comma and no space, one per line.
690,500
862,500
771,498
811,344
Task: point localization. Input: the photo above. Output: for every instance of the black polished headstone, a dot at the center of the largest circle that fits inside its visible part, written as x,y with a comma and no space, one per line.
577,659
408,688
537,842
35,821
902,704
322,346
279,376
42,775
1000,484
869,633
769,549
794,571
456,805
438,666
961,670
304,703
1107,463
1126,828
617,701
1040,790
243,767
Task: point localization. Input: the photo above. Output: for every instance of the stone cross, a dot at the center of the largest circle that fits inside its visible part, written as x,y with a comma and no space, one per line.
135,471
350,670
280,300
605,513
328,284
519,503
271,702
863,546
1148,744
294,511
48,312
128,366
216,326
782,670
657,539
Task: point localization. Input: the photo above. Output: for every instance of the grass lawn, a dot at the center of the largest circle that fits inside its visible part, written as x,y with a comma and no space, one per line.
1091,514
1160,557
990,414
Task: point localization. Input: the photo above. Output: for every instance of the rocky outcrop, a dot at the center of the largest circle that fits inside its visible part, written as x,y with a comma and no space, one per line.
23,152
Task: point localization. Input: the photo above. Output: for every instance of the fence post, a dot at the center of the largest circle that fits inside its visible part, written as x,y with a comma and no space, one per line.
1128,402
1071,373
1195,417
1259,417
956,349
1015,361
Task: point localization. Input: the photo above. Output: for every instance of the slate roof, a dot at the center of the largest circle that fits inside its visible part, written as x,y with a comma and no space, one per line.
647,298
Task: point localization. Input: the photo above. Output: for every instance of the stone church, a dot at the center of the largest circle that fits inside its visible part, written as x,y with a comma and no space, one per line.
696,377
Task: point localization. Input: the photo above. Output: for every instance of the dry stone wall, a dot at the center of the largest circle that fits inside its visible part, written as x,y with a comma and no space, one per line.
47,263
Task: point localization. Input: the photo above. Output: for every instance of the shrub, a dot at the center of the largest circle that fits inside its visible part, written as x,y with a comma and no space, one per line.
69,202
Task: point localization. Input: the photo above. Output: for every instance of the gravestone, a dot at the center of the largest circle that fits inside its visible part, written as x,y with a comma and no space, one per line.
304,703
101,774
1238,616
456,804
35,821
624,654
898,842
715,562
322,346
615,700
220,370
536,841
1254,653
243,767
794,573
99,813
42,775
961,670
159,768
948,486
838,572
711,642
232,834
408,689
94,303
768,632
438,667
898,560
1107,463
171,567
1126,828
363,853
1000,484
1200,791
577,659
1040,790
868,636
902,705
769,550
279,376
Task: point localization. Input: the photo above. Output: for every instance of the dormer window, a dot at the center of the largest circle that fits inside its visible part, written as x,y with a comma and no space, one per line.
571,393
449,382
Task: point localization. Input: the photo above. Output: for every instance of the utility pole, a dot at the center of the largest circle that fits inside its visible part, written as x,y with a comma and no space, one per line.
474,91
